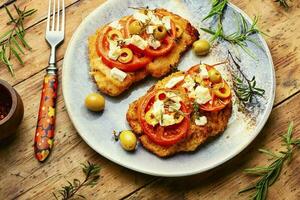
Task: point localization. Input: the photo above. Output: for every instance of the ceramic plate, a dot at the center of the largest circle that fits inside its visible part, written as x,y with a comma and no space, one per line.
96,129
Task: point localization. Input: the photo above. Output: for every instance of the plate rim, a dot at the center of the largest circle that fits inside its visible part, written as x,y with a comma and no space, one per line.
259,126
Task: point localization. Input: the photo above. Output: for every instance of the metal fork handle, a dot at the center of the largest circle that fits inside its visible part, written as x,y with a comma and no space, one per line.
52,69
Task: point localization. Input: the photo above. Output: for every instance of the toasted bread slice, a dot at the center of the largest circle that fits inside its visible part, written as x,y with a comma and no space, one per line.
217,122
159,67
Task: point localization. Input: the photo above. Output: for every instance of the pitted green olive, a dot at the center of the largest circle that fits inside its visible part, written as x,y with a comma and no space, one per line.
160,32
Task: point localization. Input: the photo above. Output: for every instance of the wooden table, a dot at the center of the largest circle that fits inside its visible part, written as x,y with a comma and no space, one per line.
22,177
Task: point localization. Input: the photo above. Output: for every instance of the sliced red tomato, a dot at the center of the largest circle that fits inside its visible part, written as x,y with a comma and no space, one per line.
102,47
216,104
160,135
166,44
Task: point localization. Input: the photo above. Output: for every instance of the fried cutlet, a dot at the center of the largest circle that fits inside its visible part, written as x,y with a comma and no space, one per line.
159,67
216,124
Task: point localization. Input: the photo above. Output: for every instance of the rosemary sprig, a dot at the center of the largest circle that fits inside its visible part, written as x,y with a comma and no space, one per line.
269,174
240,37
283,3
13,42
218,7
244,88
92,176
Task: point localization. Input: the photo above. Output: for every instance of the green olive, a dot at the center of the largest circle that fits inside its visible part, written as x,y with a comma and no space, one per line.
115,35
135,27
214,76
95,102
128,140
160,32
221,90
126,55
201,47
179,31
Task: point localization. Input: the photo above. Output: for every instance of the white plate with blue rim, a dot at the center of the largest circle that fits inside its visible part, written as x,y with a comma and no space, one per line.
96,129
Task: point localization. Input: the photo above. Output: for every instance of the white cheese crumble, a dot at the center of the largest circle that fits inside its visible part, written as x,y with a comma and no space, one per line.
201,95
203,71
189,83
114,50
172,82
137,41
150,29
158,109
166,20
201,121
154,19
140,17
152,42
167,120
173,97
118,74
116,25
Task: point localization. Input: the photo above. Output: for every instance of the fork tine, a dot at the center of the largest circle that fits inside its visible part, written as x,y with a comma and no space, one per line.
63,16
58,11
53,15
48,18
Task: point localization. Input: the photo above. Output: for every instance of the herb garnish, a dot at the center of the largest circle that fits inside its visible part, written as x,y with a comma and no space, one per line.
92,176
13,42
244,88
283,3
217,8
269,174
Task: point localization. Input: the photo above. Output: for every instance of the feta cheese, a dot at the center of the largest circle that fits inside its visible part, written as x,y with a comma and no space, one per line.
152,42
158,109
154,19
203,71
166,20
167,120
140,17
173,96
114,50
172,82
201,95
116,25
118,74
201,121
150,29
136,40
189,83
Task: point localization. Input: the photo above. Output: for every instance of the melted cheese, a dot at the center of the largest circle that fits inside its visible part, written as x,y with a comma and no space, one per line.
173,81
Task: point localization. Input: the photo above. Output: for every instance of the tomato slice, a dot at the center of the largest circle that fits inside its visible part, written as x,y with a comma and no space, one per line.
166,44
160,135
102,47
216,104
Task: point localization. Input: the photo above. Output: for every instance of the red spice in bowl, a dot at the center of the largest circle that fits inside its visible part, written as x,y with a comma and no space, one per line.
5,103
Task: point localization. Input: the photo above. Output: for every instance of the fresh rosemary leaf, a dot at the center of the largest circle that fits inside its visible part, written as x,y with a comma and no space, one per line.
70,190
12,40
270,173
218,7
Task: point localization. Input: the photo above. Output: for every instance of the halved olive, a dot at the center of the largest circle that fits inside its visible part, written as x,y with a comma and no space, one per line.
126,55
201,47
135,27
214,76
150,119
160,32
221,90
179,31
115,35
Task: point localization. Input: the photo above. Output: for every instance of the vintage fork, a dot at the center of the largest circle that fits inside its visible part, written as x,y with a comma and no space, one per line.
43,141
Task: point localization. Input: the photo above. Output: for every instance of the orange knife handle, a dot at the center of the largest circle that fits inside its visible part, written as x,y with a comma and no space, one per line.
44,135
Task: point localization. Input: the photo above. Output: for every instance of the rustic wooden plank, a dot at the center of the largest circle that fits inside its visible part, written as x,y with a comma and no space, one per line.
225,181
37,59
25,178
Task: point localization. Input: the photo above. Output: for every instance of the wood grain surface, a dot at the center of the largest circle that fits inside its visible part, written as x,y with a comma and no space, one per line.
22,177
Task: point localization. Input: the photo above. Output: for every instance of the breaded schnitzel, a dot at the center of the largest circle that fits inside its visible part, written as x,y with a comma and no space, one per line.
216,121
158,67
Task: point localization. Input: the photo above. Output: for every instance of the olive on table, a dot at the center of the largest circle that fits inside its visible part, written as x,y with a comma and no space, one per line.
214,76
135,27
95,102
128,140
201,47
160,32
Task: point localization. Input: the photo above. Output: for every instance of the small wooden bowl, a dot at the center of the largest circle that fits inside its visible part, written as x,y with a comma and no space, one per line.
11,121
